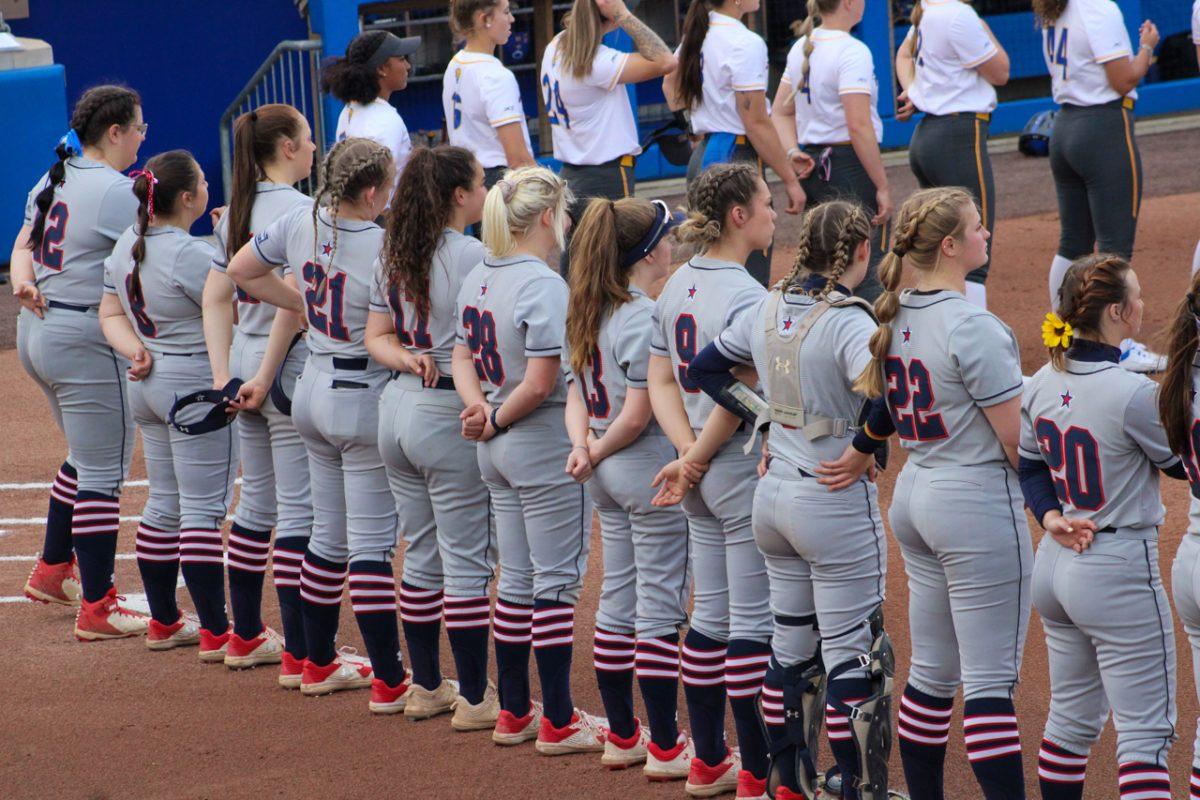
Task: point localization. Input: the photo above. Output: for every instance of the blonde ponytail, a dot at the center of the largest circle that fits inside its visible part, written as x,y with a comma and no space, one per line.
515,203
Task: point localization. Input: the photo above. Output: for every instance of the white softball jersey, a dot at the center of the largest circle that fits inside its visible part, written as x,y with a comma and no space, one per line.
950,43
380,122
336,280
839,65
479,95
591,118
1077,45
733,59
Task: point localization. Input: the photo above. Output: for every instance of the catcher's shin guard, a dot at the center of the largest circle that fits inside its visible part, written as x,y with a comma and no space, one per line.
871,720
804,712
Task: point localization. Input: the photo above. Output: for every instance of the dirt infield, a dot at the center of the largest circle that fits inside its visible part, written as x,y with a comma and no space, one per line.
111,720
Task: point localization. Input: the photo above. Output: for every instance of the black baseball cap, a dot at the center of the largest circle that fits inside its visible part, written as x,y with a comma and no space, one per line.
391,46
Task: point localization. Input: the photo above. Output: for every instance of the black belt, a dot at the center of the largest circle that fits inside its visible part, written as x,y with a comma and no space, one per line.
68,306
1121,102
178,355
443,381
982,116
358,364
627,161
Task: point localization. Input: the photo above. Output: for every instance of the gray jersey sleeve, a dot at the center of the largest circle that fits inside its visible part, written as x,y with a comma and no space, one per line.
986,354
1027,446
658,339
31,201
378,300
118,209
736,340
744,299
220,261
192,268
852,338
270,244
632,348
541,310
1143,425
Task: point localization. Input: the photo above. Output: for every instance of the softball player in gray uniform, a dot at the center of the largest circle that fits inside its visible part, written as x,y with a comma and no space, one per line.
74,215
272,143
333,249
642,601
1093,153
1091,449
1179,410
441,500
507,369
825,552
722,82
949,374
151,313
727,647
949,66
826,114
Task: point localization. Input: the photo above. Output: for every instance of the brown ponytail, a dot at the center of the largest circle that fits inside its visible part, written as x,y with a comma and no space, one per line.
598,283
157,188
1048,11
829,235
97,110
1175,394
581,38
414,224
695,30
1091,285
924,221
256,135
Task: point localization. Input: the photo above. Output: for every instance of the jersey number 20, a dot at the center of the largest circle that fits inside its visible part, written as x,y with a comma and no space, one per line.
911,400
1074,460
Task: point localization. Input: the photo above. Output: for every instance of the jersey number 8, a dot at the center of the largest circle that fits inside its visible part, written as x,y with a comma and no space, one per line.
1074,460
481,338
910,399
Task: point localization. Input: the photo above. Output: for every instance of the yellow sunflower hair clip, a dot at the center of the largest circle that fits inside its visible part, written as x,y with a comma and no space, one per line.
1056,332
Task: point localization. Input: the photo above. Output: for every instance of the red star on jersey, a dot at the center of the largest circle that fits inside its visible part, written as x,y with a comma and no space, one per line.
482,289
1066,399
692,292
326,248
907,334
787,324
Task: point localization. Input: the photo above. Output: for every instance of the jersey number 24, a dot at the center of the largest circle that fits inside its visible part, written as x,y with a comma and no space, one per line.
556,112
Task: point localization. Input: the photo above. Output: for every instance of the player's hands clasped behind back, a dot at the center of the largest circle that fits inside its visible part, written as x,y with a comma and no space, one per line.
477,422
30,297
837,475
140,365
675,480
1076,534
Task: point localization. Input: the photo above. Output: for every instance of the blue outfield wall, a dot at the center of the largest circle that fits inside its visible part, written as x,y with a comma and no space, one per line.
41,95
187,59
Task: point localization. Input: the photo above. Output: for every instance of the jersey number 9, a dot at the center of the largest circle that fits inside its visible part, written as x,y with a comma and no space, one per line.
481,338
910,398
1074,461
685,348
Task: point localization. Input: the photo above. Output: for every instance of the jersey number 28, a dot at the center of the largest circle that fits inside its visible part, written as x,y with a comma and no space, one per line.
481,338
910,398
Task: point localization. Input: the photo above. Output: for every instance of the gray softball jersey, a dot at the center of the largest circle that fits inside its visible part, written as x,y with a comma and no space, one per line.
336,280
88,214
833,355
948,361
1096,427
621,360
271,202
698,302
456,255
168,319
510,310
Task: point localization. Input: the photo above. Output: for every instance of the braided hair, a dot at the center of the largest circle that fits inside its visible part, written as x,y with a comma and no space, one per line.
351,167
829,235
925,220
709,198
816,9
1091,285
97,110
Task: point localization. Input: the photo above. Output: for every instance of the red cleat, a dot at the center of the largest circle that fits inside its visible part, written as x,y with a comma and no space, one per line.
213,646
290,670
54,583
108,619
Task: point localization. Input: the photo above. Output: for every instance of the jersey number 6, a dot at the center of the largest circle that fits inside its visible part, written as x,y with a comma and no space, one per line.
1074,460
910,398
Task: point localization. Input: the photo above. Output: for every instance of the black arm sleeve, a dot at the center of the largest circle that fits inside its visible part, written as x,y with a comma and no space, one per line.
877,427
1176,471
710,370
1037,486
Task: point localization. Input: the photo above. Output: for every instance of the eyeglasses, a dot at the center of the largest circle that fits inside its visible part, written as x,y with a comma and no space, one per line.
142,127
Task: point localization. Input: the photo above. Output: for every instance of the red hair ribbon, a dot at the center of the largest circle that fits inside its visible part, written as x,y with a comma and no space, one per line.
151,182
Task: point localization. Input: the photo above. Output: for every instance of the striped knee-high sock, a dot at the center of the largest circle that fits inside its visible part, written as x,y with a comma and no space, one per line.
553,644
1060,772
613,657
994,746
158,562
249,551
1194,786
923,728
773,718
467,623
745,667
56,549
287,557
512,628
850,691
703,669
202,561
94,524
373,597
657,664
1139,781
321,584
421,613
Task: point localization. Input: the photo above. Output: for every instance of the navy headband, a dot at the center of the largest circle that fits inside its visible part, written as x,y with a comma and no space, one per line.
215,419
664,221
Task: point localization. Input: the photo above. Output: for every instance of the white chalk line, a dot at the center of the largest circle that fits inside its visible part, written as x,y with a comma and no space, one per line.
41,521
134,600
43,486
